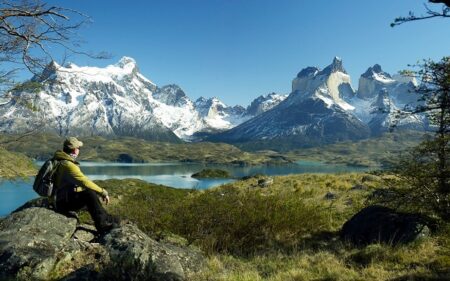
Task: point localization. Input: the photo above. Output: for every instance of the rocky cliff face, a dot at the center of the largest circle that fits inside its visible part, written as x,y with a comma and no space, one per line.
381,99
38,244
264,103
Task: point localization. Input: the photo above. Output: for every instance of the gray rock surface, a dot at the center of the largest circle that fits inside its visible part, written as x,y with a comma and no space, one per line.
33,242
137,256
40,244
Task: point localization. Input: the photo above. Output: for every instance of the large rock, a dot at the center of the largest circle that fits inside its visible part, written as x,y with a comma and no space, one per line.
135,256
33,241
377,224
40,244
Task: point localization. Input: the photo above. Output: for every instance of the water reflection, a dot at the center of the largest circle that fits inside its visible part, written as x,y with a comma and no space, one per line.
178,175
13,194
183,171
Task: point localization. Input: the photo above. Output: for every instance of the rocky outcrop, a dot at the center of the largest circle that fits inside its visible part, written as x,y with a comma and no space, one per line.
33,242
39,244
377,224
135,256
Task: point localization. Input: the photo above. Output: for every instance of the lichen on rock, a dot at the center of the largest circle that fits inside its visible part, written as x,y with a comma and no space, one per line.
37,243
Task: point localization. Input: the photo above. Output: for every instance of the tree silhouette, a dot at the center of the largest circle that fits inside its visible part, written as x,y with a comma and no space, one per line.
423,176
444,12
30,31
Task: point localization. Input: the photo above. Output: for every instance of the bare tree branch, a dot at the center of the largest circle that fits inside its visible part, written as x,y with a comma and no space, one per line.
29,28
430,13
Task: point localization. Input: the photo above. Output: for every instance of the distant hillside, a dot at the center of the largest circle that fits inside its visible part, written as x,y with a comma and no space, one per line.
381,151
14,164
43,146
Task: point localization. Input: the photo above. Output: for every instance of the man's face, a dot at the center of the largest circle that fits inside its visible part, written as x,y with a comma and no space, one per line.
76,151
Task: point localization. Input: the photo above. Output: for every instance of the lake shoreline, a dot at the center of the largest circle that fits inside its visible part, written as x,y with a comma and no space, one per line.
170,174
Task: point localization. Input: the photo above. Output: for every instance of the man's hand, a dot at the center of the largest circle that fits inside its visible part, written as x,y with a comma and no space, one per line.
105,196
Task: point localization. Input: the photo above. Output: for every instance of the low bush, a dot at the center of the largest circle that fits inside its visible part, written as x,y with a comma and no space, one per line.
247,222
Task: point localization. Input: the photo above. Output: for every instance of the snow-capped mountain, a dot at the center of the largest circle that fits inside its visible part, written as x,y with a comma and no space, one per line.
386,114
118,100
115,100
323,108
218,116
314,113
75,100
264,103
381,99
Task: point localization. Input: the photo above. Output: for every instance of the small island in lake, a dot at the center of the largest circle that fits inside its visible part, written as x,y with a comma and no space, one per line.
211,173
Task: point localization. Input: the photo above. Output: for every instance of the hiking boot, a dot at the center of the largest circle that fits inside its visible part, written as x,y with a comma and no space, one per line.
113,219
109,224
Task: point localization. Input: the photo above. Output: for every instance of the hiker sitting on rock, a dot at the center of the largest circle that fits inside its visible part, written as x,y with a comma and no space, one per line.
75,191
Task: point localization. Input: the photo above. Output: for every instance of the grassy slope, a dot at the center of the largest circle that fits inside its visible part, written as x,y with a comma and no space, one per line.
137,150
14,165
285,232
381,151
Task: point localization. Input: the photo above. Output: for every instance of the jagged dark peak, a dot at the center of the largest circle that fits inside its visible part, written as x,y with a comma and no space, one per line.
173,87
208,102
49,70
170,94
237,109
201,100
376,69
308,72
383,101
335,66
126,61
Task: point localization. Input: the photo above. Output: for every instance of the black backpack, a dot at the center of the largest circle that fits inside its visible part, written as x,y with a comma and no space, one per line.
44,181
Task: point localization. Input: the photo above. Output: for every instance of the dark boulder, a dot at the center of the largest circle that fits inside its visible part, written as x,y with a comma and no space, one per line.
330,196
358,187
266,182
377,224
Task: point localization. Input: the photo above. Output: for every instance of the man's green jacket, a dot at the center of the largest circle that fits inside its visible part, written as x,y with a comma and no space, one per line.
69,175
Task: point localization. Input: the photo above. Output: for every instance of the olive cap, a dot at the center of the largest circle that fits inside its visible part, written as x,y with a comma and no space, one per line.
72,143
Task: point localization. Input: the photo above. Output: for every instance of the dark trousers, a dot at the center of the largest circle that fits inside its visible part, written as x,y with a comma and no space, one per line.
68,200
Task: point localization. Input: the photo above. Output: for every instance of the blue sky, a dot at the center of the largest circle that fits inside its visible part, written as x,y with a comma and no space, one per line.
237,50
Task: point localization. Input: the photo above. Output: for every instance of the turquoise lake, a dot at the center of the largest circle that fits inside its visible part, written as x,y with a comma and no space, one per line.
14,193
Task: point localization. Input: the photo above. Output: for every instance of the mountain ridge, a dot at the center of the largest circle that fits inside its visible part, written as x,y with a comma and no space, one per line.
118,100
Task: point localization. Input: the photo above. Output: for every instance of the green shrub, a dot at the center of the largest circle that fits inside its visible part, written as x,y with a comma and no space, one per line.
247,222
148,205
